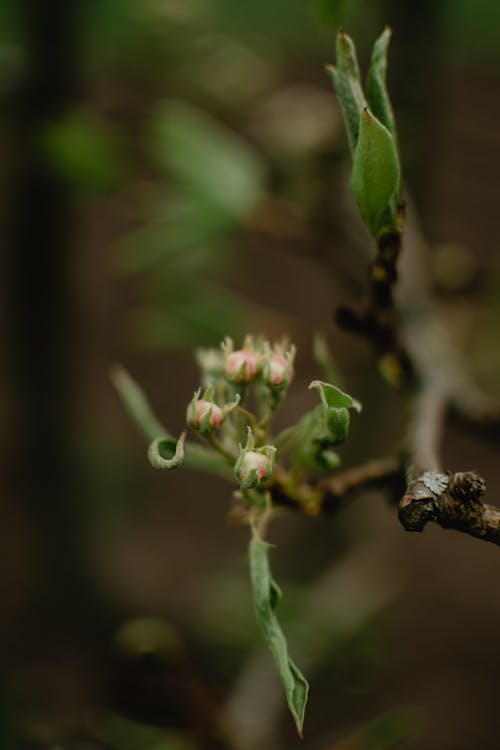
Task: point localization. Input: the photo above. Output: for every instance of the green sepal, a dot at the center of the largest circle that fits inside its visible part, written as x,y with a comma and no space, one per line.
347,82
159,447
375,174
376,84
266,597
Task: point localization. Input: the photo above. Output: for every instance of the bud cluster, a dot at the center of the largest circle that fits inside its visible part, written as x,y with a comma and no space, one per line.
257,359
242,389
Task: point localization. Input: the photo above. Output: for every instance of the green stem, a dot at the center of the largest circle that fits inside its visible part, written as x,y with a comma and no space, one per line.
220,448
250,417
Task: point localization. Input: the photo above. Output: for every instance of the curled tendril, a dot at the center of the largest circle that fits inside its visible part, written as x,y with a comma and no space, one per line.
167,445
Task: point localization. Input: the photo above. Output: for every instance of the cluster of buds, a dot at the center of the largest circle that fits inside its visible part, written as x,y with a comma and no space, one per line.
203,415
258,358
226,374
254,465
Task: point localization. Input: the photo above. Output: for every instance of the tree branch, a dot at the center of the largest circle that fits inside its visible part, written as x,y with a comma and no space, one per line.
450,500
413,347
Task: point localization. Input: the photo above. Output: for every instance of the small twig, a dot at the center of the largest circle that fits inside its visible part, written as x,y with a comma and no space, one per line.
325,495
375,473
376,321
406,314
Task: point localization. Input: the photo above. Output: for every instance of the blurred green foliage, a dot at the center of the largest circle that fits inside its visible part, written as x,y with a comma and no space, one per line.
471,29
210,62
84,151
212,166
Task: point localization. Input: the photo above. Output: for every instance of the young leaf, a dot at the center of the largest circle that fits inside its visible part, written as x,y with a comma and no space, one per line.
347,82
375,173
376,84
266,596
311,448
331,396
335,417
136,404
338,424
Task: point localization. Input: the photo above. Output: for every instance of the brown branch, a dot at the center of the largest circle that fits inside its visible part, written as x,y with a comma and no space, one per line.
326,494
376,473
450,500
457,506
402,324
377,321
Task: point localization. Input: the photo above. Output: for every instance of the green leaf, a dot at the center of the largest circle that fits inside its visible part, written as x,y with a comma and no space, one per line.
376,84
347,82
335,418
266,596
375,174
211,163
331,396
136,404
175,449
314,438
338,424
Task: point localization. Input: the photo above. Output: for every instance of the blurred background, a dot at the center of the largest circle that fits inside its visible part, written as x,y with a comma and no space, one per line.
174,171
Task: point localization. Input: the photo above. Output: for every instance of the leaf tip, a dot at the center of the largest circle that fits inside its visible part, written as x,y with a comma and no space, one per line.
315,385
117,374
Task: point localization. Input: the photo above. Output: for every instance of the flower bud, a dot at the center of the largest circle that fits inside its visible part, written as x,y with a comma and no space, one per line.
205,416
254,465
206,409
278,367
242,366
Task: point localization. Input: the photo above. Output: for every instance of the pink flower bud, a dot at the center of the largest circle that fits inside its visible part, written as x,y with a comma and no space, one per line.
205,407
242,366
258,462
254,466
279,370
204,415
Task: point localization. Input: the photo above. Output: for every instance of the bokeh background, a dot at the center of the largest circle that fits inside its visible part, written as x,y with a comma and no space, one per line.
174,171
